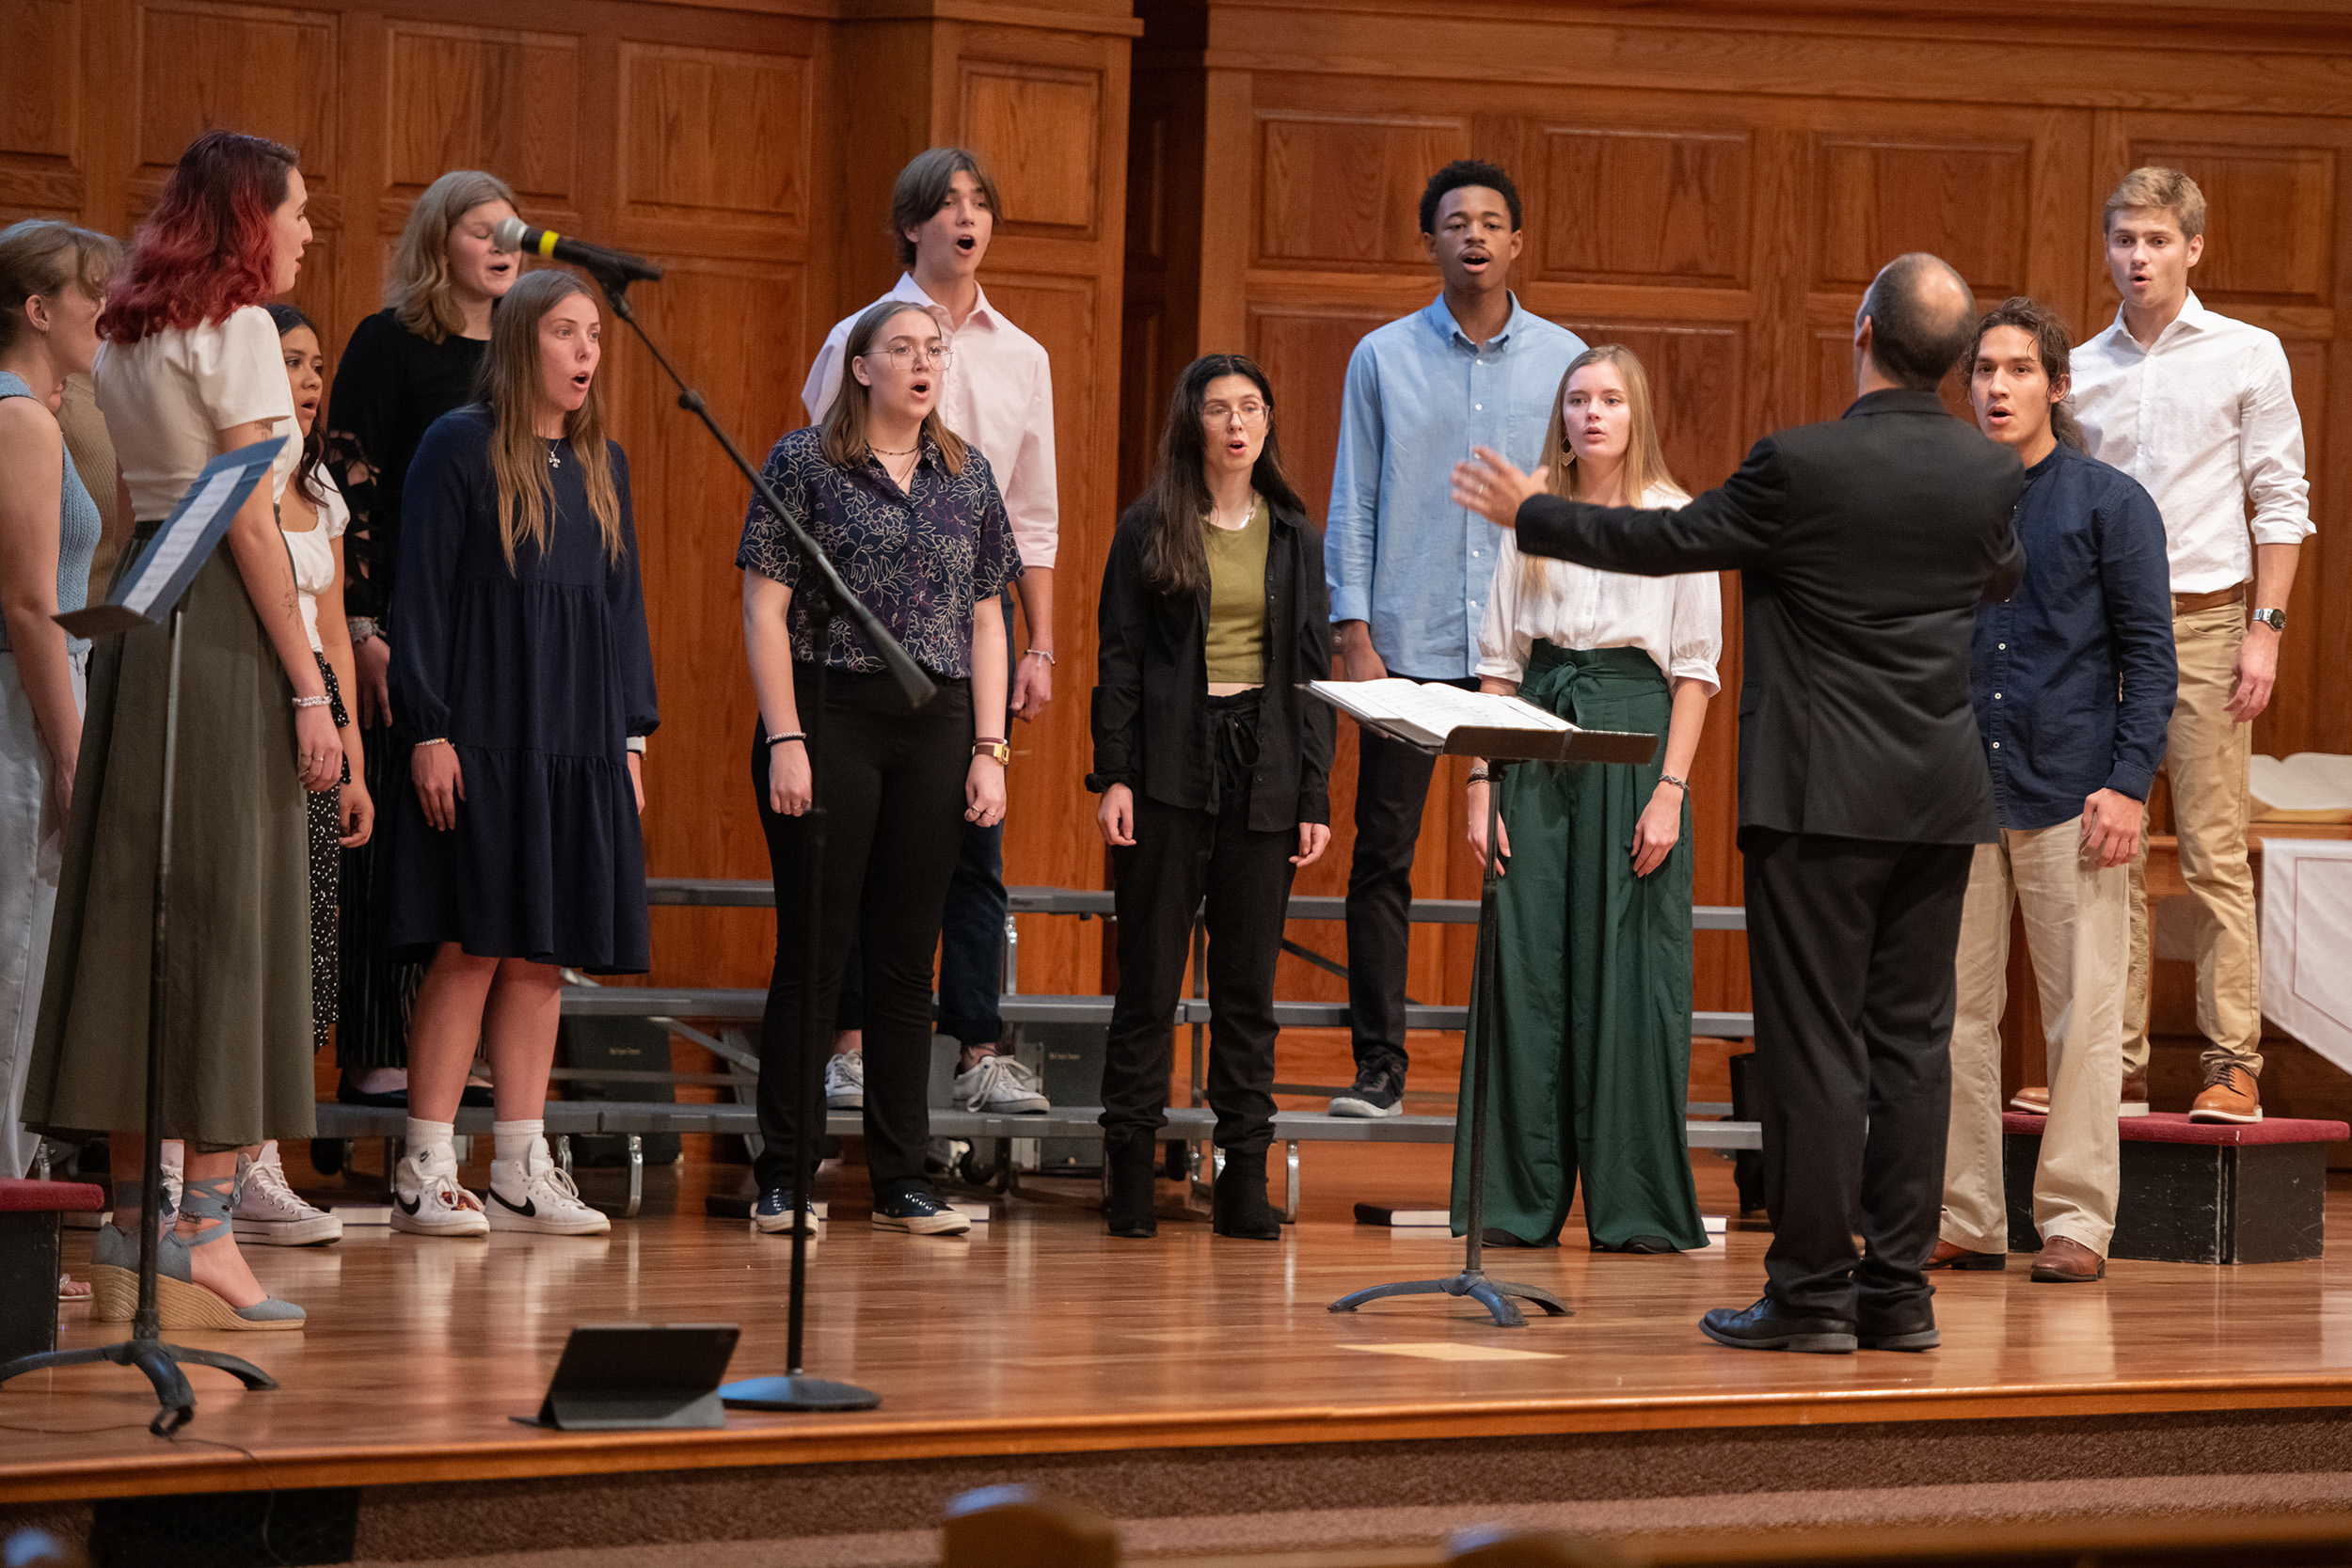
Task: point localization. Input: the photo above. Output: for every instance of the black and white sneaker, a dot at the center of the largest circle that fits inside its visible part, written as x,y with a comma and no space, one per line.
1378,1091
771,1214
918,1215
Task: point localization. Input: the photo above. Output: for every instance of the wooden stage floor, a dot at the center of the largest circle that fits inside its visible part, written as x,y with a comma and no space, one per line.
1040,1334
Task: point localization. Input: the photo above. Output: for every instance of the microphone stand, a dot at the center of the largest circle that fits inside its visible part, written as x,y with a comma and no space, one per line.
823,595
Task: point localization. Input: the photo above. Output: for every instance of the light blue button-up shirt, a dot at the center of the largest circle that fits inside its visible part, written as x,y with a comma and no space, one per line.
1398,553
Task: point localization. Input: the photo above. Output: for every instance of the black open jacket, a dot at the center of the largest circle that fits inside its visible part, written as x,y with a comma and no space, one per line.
1152,691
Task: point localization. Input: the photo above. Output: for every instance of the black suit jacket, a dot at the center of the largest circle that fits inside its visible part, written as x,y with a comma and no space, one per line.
1151,680
1864,547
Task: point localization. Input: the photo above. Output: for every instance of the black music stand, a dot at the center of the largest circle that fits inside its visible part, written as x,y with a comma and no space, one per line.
1500,748
156,583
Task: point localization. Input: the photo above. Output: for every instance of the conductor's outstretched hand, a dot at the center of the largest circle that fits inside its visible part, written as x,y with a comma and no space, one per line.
1492,486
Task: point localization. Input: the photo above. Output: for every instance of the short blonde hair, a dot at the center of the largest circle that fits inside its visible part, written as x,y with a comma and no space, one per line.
2158,190
419,292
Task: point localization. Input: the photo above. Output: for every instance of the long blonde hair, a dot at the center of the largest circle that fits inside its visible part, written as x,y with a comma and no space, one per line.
1645,459
509,384
419,292
847,420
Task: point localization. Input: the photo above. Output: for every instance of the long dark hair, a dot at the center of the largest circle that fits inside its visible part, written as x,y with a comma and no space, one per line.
204,250
1175,556
306,475
2050,335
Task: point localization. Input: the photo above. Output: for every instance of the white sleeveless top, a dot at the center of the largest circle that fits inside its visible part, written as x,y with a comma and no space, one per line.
313,554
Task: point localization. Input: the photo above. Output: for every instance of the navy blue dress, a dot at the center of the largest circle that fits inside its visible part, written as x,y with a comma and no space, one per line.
538,675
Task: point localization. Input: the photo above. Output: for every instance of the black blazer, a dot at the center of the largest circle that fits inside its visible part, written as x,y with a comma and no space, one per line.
1864,547
1151,696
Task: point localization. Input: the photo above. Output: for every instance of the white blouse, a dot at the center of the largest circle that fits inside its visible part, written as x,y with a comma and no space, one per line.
167,397
312,552
1678,620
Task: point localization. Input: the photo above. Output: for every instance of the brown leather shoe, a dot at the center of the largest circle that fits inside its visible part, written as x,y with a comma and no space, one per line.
1950,1255
2231,1095
2065,1262
2134,1094
2034,1101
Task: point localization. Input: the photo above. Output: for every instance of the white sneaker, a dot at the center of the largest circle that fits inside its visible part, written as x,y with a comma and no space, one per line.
545,1199
272,1212
427,1200
845,1081
1000,1084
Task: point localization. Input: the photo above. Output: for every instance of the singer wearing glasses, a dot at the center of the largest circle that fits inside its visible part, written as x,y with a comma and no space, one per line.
910,515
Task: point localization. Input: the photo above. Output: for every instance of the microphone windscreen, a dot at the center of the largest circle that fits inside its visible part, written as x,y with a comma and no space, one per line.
508,235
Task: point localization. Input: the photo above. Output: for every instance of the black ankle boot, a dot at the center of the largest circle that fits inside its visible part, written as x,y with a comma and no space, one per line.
1238,1205
1131,1159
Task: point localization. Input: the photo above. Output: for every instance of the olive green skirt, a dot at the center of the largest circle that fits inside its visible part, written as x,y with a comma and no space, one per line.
237,985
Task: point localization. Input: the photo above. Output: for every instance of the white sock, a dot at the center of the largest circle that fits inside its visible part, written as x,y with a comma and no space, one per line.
428,1137
520,1143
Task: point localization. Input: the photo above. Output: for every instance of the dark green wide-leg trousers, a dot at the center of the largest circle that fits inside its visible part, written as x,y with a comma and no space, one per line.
1592,1061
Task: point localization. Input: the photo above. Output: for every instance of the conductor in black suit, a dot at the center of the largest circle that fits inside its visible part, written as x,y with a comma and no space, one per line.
1864,545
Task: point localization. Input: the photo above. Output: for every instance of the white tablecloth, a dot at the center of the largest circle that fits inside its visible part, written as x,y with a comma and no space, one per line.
2306,942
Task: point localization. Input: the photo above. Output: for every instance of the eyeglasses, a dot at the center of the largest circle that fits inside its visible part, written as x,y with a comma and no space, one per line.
1217,413
915,355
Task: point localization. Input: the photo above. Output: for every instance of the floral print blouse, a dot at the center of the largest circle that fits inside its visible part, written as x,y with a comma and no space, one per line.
919,558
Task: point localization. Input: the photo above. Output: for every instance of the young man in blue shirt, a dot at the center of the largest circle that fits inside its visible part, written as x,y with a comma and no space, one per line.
1407,568
2073,680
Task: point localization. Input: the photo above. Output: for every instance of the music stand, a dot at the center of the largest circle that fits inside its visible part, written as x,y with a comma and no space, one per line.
157,581
1500,748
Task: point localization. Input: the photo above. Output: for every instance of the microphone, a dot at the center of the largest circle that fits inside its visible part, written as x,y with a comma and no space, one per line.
514,234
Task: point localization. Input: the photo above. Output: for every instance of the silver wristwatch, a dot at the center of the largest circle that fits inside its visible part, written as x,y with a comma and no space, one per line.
2275,619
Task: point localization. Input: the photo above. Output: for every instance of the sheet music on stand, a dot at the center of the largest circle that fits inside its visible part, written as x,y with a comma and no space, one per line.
161,575
1448,721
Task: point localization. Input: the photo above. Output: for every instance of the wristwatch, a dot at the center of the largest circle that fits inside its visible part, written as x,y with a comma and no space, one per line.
998,749
2275,619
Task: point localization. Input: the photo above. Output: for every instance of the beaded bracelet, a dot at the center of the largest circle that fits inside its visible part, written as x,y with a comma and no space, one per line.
319,701
780,739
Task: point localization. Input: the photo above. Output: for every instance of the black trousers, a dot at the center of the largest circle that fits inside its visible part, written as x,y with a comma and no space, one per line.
1392,788
891,784
1178,857
971,930
1851,943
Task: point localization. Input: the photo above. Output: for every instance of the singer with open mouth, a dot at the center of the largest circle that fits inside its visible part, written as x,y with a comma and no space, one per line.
523,681
910,515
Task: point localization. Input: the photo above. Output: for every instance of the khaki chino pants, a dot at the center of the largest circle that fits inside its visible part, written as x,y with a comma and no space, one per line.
2077,929
2208,754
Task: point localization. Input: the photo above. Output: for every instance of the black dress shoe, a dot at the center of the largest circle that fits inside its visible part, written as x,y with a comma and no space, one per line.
1913,1331
1490,1236
1765,1326
348,1092
1640,1246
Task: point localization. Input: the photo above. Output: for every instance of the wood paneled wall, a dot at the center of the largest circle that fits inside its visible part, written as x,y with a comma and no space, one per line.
1714,186
749,147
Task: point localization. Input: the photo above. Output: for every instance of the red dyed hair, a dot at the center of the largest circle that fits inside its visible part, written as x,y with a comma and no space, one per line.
206,249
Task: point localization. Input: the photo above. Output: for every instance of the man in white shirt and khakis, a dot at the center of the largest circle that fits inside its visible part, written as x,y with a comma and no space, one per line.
2200,409
999,395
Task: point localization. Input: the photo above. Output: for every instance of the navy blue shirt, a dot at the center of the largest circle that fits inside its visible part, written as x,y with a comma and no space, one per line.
2074,673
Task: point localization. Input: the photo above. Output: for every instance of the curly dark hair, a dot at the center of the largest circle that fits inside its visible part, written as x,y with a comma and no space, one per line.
1463,172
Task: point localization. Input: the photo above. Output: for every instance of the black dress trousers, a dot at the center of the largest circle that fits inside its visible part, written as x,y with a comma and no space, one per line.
1851,943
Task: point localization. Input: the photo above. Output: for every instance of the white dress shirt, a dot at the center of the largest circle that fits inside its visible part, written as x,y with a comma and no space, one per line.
999,395
1678,620
2205,421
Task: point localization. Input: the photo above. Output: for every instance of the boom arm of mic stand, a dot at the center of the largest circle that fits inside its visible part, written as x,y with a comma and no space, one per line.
909,674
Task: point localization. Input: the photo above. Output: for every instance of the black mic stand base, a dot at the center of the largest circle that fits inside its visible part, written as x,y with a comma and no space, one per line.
795,1391
160,1362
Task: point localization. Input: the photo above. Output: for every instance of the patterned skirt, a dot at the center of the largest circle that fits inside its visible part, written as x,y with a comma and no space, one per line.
326,856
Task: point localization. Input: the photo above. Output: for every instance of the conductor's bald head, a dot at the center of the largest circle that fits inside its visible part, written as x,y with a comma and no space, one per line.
1915,323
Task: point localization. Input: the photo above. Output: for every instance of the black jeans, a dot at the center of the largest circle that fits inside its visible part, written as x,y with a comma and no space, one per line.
1178,857
1392,788
1851,943
971,930
891,784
